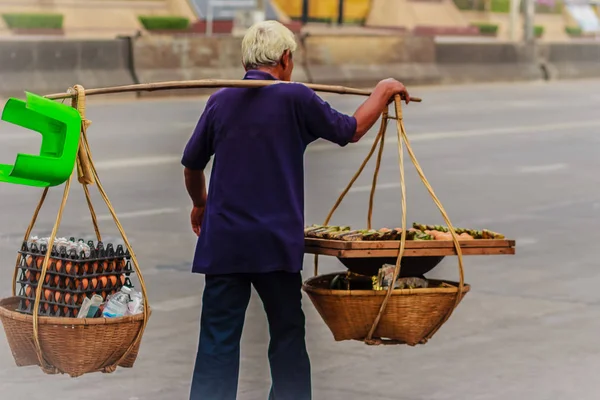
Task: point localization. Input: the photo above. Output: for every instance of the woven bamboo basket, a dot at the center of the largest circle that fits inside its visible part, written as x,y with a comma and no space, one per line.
407,316
410,316
73,346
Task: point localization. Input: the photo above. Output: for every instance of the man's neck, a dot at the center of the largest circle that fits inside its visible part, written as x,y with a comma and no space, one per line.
272,71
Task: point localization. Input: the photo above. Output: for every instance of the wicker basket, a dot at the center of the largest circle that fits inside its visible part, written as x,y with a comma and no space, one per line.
73,346
411,315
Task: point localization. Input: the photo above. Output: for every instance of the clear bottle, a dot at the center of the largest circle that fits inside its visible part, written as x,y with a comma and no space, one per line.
116,306
136,305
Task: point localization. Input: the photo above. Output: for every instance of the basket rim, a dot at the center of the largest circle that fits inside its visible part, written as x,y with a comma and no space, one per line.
15,315
309,288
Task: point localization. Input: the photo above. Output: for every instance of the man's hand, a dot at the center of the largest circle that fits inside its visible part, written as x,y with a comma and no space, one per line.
392,87
196,219
369,112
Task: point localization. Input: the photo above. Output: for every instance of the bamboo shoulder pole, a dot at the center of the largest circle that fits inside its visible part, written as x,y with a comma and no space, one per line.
210,83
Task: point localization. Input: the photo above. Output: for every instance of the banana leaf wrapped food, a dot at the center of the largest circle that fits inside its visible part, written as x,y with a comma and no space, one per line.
417,232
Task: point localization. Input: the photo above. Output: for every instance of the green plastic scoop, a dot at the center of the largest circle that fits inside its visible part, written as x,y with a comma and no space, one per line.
60,127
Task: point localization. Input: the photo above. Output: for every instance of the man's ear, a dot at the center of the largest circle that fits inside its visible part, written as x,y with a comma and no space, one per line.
285,59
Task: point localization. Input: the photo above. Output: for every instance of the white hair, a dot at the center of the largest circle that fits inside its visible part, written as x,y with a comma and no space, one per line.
264,44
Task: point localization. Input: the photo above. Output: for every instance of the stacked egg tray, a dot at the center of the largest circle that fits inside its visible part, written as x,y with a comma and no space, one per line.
70,277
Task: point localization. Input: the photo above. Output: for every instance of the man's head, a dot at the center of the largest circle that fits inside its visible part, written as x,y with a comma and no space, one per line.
268,46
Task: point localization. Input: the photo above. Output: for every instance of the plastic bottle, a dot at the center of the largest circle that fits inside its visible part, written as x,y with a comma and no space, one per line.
136,305
116,306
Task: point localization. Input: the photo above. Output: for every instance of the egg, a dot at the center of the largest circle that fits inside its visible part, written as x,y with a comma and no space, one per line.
113,280
71,268
59,265
107,266
39,262
71,299
33,277
29,261
103,282
94,283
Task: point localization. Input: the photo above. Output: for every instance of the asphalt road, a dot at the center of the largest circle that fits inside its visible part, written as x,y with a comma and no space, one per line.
519,159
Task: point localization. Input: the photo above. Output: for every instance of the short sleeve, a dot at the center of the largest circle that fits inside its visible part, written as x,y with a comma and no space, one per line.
200,147
324,122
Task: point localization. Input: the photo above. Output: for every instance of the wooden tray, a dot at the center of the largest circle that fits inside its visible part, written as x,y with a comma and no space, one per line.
413,248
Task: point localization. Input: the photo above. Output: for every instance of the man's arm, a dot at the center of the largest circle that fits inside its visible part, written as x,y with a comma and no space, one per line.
196,156
324,122
195,183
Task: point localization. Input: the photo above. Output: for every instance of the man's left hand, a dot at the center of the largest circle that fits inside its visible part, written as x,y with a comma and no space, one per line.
196,219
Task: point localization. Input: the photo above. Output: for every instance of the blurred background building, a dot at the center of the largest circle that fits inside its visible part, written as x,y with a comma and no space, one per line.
555,20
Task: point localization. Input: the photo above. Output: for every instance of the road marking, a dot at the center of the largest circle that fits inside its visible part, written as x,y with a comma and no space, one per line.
529,104
427,137
190,126
379,186
137,214
542,168
526,241
529,169
137,162
178,304
151,161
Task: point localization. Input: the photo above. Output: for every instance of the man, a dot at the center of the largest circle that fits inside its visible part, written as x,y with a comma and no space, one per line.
250,226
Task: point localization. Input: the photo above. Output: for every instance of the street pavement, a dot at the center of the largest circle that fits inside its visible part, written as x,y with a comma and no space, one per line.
521,159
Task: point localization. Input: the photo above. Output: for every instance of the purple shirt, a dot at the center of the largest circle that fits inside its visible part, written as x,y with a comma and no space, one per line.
254,216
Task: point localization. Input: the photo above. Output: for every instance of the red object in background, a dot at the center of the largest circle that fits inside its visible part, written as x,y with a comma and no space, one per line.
218,26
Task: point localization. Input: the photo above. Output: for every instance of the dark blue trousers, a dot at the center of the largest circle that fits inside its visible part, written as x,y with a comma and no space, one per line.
225,301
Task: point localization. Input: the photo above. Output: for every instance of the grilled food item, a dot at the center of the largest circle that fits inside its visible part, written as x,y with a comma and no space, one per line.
468,234
310,229
417,232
